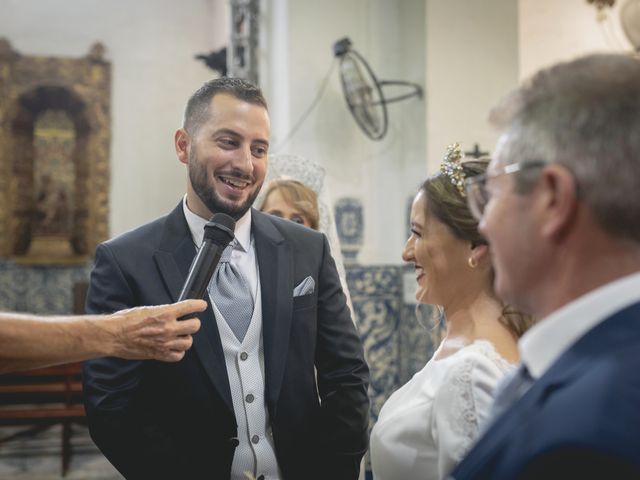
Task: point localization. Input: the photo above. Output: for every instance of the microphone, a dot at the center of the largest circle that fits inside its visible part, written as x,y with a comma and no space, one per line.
218,233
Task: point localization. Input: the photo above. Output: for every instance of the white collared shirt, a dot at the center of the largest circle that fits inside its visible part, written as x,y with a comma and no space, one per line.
243,256
255,452
546,341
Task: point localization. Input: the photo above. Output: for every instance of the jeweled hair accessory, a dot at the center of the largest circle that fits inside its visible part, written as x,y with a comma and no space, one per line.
452,167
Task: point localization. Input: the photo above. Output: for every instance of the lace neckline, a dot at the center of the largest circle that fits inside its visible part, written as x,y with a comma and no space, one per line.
486,346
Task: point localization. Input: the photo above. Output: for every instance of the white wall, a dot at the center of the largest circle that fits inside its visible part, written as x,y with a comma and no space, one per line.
472,61
468,55
465,54
390,35
151,44
553,31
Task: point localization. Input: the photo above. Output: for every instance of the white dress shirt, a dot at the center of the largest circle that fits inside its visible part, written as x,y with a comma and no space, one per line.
243,256
255,453
546,341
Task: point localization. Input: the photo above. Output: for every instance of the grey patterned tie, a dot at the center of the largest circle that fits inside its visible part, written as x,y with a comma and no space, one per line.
230,292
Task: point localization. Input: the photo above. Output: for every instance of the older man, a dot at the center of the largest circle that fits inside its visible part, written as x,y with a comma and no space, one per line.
560,206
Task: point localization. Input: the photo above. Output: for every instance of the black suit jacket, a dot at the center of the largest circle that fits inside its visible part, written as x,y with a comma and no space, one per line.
580,420
160,420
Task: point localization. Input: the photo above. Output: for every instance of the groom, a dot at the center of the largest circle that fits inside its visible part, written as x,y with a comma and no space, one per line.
561,212
279,391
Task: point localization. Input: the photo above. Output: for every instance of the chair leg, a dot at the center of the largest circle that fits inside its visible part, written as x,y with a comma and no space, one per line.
66,446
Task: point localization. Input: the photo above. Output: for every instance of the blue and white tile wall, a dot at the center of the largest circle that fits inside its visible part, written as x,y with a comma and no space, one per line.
42,290
377,301
349,217
396,344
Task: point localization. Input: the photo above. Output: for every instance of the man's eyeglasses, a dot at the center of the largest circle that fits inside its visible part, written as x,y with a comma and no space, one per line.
476,187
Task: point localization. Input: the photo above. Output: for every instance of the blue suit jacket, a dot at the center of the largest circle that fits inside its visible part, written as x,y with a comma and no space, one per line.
156,420
580,420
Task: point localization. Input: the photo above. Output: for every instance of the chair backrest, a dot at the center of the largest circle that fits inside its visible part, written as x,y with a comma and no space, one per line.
44,394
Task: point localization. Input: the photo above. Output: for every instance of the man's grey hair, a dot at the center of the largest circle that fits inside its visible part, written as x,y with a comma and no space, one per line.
585,115
197,109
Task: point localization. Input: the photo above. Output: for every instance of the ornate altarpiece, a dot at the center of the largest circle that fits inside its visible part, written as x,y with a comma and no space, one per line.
54,156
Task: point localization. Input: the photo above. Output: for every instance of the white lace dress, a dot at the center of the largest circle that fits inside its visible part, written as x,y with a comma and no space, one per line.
426,427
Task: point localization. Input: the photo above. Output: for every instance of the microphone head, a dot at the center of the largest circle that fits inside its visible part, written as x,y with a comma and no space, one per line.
220,229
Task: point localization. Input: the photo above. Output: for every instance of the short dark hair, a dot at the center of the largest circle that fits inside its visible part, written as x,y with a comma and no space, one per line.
197,109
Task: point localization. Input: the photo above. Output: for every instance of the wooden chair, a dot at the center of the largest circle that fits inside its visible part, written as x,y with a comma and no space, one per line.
41,398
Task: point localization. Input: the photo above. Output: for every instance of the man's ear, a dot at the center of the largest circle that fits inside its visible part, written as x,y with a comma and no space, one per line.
559,201
182,144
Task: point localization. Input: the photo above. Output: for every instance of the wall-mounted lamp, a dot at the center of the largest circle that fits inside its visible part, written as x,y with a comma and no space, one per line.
629,18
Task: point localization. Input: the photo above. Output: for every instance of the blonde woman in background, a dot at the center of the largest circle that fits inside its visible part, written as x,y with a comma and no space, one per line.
293,200
425,427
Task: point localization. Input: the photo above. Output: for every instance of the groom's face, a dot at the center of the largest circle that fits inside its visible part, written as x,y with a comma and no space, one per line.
227,158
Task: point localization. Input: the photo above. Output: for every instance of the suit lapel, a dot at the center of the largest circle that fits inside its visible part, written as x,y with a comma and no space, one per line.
276,282
173,258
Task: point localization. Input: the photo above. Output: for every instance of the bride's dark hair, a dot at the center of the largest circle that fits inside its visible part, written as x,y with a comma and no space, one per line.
447,204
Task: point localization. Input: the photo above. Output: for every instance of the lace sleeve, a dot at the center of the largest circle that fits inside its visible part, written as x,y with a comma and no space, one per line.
463,402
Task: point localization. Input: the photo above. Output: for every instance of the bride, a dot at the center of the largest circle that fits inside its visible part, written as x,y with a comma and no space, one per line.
425,428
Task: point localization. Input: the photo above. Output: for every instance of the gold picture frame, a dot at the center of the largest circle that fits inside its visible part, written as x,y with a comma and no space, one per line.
55,132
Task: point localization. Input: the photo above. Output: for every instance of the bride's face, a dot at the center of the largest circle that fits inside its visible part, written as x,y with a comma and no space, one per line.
439,257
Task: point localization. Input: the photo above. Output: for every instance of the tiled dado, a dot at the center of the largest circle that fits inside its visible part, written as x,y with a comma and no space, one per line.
42,290
376,294
396,344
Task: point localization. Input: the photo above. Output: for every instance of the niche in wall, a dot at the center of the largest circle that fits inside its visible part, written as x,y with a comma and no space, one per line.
54,156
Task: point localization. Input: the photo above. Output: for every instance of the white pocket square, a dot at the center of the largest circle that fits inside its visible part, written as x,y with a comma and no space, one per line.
306,287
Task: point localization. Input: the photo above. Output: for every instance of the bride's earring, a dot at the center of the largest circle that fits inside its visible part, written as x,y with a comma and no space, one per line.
473,263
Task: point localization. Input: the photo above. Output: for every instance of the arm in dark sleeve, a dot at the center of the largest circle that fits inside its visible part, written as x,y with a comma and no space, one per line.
111,387
343,378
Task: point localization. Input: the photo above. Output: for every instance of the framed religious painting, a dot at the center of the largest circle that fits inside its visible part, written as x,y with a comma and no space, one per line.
54,156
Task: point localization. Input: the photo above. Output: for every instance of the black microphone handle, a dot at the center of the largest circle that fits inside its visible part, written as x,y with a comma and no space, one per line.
201,272
218,233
